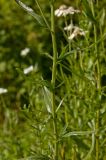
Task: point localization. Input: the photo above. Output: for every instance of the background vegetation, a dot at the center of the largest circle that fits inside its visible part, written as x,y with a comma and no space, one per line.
26,130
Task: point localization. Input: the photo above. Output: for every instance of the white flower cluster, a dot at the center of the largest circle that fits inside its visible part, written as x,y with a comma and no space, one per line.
63,10
76,31
73,31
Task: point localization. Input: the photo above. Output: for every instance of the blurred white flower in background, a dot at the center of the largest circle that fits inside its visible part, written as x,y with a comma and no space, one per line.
63,10
24,52
3,90
28,70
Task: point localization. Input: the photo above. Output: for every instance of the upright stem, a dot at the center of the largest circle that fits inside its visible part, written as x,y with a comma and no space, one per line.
99,90
68,32
54,81
97,135
98,85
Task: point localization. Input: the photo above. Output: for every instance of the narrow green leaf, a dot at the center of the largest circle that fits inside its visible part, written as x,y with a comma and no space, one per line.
38,18
47,99
61,57
76,133
88,11
92,148
60,104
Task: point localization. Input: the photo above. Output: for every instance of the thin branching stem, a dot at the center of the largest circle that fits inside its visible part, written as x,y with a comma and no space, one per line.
53,81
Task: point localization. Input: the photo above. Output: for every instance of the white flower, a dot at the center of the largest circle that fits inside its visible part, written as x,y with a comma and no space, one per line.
24,52
3,90
77,31
28,70
69,28
64,11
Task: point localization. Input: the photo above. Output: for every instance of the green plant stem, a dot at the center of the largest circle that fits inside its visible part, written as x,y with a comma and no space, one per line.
98,86
74,157
65,107
99,90
68,33
97,135
54,80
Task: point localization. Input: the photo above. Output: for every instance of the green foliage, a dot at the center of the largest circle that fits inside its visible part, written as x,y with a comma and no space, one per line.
27,118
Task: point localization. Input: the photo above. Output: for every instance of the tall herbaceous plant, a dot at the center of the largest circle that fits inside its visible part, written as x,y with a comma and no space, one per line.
74,98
